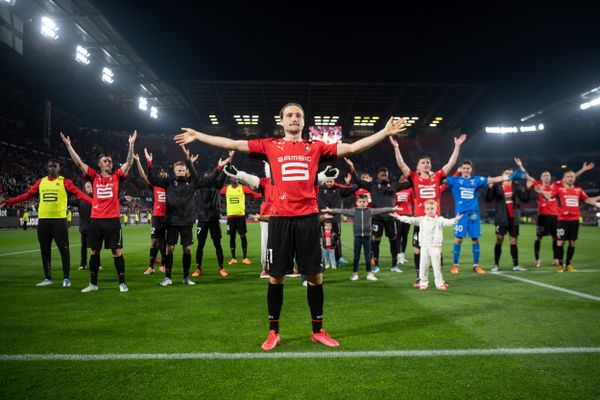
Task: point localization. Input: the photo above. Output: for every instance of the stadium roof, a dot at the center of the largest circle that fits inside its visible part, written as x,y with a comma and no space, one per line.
50,66
224,100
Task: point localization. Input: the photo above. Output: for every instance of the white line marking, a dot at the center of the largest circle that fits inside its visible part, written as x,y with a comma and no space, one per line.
571,292
332,354
33,251
534,271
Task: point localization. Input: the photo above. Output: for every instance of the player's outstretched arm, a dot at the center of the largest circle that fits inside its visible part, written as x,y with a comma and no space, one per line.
252,181
496,179
129,161
454,156
391,128
189,135
399,160
585,167
141,169
76,159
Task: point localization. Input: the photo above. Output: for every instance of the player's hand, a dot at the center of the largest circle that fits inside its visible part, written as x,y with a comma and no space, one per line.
186,136
231,154
224,162
519,163
147,155
185,151
349,162
194,158
66,140
348,178
587,166
128,198
395,127
326,210
136,157
230,170
132,138
460,140
393,141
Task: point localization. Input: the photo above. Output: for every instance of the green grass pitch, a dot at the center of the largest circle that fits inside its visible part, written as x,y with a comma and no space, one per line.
228,316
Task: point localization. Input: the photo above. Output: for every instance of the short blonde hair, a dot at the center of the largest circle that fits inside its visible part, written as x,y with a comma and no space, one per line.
431,202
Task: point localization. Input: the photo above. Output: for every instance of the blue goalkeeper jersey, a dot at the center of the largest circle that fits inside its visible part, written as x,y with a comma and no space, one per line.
465,192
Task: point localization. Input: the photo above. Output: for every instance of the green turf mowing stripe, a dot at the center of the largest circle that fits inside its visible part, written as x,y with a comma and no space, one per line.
545,285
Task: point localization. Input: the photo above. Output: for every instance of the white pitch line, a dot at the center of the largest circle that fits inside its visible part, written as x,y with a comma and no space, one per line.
33,251
297,355
545,285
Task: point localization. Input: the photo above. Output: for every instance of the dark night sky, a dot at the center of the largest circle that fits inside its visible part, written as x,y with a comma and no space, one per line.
527,56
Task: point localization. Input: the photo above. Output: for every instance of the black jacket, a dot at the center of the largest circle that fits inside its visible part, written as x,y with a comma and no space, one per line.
208,200
496,193
332,197
85,212
181,205
383,194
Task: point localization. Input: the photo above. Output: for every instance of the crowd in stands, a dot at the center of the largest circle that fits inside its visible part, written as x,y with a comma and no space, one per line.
23,154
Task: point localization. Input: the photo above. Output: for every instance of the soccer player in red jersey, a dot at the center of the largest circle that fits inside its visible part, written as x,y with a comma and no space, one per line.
548,214
294,219
105,224
568,196
158,231
426,186
404,201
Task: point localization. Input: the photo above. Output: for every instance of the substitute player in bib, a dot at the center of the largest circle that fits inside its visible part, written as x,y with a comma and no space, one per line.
159,224
294,219
426,186
465,190
105,225
52,217
568,196
235,201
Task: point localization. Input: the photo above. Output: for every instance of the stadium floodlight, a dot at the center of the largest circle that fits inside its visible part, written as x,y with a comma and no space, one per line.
364,120
82,56
49,28
107,75
9,2
143,103
501,129
592,103
213,119
540,127
154,112
277,119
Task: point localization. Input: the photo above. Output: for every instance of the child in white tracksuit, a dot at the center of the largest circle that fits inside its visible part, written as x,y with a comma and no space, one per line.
430,239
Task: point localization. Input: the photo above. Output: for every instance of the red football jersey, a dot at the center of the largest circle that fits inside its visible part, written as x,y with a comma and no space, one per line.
362,191
508,198
294,170
568,201
160,201
105,202
267,189
424,189
546,207
328,239
404,199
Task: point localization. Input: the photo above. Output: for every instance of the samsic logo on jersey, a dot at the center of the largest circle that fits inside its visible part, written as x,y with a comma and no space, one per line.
104,191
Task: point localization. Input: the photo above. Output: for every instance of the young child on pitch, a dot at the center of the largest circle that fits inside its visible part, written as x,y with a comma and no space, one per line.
362,216
330,239
430,239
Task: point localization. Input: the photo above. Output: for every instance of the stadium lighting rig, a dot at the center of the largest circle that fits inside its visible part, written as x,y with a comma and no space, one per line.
154,112
49,28
436,122
246,119
213,119
364,120
143,103
326,120
514,129
9,2
277,119
82,56
589,104
107,75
